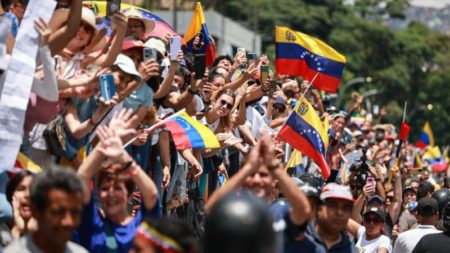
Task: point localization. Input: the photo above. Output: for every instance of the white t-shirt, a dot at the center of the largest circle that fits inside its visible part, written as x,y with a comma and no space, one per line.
407,241
365,246
26,245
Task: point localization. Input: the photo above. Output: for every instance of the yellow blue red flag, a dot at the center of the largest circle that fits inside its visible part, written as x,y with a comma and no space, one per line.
299,54
198,25
305,132
426,137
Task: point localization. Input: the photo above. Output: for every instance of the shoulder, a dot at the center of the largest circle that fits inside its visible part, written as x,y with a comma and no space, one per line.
75,248
17,246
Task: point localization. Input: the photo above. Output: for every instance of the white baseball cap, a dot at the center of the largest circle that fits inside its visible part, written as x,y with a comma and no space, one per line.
336,191
127,65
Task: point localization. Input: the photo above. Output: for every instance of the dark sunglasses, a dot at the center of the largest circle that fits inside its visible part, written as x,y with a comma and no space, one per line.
368,220
223,102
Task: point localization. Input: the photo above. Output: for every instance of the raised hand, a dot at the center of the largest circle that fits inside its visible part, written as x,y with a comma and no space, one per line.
149,69
44,31
110,143
121,122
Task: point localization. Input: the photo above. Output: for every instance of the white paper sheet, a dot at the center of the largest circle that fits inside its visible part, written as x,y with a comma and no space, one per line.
19,78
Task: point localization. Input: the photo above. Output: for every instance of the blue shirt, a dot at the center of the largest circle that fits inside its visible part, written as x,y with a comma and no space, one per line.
91,234
285,230
141,97
345,245
14,23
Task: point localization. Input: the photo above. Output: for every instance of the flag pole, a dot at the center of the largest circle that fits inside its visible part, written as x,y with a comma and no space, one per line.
404,111
309,85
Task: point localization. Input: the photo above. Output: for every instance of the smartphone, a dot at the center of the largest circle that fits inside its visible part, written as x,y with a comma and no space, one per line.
107,87
175,46
371,181
376,110
273,88
264,73
112,7
251,57
240,49
150,53
199,65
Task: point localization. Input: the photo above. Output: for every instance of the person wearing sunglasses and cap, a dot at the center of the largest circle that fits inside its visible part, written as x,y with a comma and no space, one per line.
370,235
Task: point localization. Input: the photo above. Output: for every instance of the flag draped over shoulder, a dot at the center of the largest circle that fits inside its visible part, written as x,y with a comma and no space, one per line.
299,54
198,25
305,132
426,137
189,133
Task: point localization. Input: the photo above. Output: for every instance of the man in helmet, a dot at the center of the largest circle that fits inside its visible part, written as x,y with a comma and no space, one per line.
437,243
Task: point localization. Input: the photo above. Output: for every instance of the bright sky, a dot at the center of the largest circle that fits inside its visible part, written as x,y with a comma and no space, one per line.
431,3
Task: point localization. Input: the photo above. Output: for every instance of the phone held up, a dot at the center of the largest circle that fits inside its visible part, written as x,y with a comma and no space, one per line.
200,65
264,73
112,7
175,46
149,53
107,87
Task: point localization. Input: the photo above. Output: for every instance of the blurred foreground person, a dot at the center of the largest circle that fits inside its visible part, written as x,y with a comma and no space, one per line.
239,224
56,203
165,236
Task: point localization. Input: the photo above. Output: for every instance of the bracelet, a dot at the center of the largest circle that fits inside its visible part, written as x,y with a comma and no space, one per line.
192,92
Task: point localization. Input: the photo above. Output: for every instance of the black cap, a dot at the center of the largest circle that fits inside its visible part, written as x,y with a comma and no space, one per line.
377,211
427,206
409,188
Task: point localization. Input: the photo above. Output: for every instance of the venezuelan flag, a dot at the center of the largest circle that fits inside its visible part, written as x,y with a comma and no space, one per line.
25,163
426,137
189,133
306,133
198,25
299,54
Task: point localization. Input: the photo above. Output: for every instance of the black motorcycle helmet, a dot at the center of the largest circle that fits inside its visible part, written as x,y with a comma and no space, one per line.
239,223
443,197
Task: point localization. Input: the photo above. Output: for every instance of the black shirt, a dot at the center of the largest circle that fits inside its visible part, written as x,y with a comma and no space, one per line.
434,243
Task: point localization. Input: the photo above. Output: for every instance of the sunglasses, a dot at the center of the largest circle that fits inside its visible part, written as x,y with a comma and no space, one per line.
223,102
369,220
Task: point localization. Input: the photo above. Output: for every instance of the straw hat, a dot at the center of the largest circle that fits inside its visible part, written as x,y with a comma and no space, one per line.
133,13
98,40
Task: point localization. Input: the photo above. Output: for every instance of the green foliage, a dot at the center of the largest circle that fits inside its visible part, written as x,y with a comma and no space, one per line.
409,65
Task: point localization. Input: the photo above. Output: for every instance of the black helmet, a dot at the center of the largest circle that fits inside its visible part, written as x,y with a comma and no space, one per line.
239,224
443,197
446,217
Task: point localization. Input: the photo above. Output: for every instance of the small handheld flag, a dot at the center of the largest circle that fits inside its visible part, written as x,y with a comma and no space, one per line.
299,54
198,25
186,132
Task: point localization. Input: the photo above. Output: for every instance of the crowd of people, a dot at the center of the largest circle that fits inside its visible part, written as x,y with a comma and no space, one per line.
96,194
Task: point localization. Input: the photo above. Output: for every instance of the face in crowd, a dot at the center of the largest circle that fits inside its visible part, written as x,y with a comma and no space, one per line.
18,193
338,124
334,214
261,182
223,105
83,37
114,193
373,224
136,28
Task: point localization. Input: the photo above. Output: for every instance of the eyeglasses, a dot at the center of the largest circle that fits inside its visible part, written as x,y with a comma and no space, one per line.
369,220
223,102
87,28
